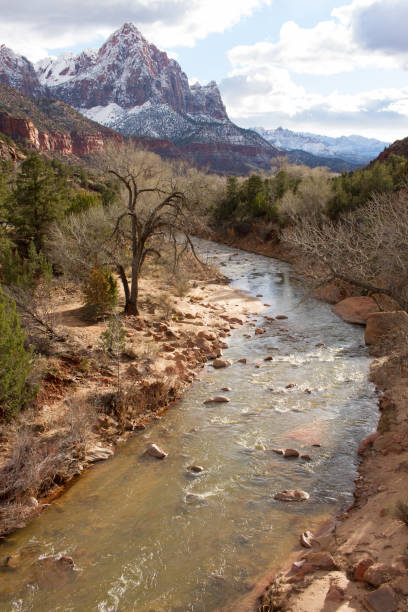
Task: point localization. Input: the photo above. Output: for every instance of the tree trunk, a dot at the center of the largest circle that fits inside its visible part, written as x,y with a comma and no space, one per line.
126,289
132,305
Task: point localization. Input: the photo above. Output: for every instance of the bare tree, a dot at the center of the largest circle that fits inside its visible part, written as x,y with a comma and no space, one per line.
161,209
169,219
368,247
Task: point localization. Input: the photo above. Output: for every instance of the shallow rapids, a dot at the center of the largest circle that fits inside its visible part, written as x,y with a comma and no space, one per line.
140,542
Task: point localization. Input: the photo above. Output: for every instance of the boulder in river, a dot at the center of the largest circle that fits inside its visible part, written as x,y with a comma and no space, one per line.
356,309
242,360
306,539
291,452
218,399
155,451
281,317
221,363
291,495
197,469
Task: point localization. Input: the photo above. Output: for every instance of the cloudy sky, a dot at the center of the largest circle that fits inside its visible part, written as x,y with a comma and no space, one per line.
327,66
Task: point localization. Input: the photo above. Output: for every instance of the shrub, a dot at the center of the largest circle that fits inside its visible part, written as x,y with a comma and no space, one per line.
15,361
401,511
100,293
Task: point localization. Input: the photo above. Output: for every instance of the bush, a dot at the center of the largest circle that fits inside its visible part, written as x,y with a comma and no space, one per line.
100,293
15,361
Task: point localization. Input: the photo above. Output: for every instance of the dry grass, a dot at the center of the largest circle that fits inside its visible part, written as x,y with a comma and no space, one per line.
39,462
401,511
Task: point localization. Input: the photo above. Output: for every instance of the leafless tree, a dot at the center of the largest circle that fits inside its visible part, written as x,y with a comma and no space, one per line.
163,204
368,247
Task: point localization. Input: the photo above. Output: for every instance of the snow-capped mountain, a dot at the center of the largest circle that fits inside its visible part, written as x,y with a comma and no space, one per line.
131,86
355,149
127,71
17,72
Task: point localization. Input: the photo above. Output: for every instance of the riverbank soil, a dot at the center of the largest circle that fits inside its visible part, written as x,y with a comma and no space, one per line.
79,418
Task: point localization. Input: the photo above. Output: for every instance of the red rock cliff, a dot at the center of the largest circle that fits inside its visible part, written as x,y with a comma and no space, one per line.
73,143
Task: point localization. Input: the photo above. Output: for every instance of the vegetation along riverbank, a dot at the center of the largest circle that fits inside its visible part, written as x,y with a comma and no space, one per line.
108,311
354,253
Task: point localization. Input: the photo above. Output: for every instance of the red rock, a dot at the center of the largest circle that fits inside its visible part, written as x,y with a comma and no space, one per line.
259,331
379,573
356,309
221,363
335,593
383,599
321,560
196,468
367,442
281,317
306,457
278,451
291,452
381,325
242,360
361,568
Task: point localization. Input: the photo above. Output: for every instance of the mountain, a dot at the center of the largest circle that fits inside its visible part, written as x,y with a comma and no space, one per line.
48,125
399,147
354,149
131,86
18,72
335,164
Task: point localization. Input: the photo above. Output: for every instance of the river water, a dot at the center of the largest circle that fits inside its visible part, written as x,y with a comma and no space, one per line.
140,542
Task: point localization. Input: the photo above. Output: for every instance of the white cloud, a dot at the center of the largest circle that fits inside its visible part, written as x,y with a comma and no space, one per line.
32,28
334,46
261,85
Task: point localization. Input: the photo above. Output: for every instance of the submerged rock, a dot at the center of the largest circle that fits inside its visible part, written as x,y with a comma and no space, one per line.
291,495
155,451
291,452
192,498
197,469
218,399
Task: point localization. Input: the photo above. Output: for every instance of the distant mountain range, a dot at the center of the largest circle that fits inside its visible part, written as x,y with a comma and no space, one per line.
133,88
354,149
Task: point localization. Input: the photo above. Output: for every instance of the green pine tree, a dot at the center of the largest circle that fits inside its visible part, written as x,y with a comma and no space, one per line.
39,197
15,361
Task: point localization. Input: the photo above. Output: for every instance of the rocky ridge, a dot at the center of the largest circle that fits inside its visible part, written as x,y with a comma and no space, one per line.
353,149
134,88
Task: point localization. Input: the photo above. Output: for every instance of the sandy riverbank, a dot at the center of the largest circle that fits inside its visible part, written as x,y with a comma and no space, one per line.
76,421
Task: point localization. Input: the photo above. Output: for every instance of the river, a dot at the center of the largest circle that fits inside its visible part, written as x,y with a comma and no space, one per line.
140,542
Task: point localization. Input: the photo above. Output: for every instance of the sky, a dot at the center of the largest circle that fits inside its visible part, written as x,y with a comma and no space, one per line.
334,67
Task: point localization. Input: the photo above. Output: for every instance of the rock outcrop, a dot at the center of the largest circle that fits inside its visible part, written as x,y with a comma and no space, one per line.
356,309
